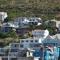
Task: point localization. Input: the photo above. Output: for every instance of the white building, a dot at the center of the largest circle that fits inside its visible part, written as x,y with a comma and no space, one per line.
3,15
29,42
24,22
38,37
40,33
10,24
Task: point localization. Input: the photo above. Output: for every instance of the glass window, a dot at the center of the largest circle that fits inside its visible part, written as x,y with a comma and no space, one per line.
26,40
15,45
14,50
36,41
22,41
13,58
31,40
21,45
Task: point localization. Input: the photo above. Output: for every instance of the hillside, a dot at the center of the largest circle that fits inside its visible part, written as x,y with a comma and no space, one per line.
46,9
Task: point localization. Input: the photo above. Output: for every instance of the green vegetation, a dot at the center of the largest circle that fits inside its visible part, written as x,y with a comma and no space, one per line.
7,38
3,35
11,34
46,9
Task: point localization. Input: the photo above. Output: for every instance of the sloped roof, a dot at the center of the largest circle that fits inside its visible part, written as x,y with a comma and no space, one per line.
49,39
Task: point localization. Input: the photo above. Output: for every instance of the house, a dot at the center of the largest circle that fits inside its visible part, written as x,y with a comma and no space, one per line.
26,43
35,21
24,22
3,51
50,41
6,27
16,51
40,33
29,43
10,24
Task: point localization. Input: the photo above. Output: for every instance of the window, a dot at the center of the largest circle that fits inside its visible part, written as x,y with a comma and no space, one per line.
21,45
14,50
31,40
26,40
13,58
36,40
22,41
4,58
15,45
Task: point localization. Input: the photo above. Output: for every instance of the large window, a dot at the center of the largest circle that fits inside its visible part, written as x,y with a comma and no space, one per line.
22,41
4,59
15,45
13,58
14,50
31,41
36,40
26,40
21,46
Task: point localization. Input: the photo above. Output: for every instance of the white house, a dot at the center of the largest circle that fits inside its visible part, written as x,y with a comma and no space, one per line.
40,33
24,22
6,27
29,42
3,15
10,24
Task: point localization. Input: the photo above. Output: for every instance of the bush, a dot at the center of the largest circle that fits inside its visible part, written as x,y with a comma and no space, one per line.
3,35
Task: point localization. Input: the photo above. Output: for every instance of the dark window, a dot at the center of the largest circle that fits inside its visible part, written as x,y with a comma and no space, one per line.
4,58
22,41
26,40
36,41
31,40
13,58
21,45
15,45
14,50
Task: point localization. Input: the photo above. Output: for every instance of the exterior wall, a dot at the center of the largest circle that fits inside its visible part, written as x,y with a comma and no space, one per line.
50,41
3,51
26,58
40,33
24,22
17,58
6,29
22,31
26,42
14,45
